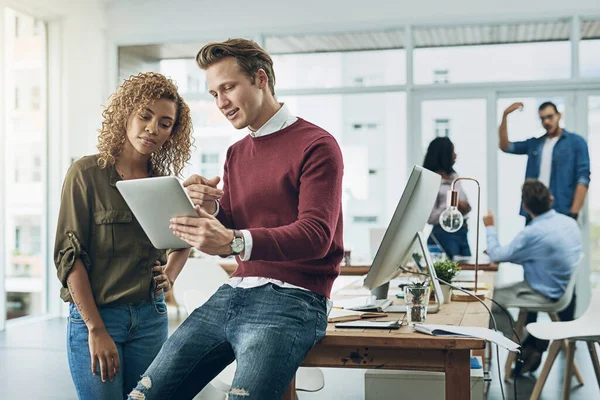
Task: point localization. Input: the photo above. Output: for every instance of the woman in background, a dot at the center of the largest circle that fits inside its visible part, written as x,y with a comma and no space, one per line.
112,276
440,158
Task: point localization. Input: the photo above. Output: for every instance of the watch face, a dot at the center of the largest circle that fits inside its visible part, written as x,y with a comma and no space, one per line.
237,245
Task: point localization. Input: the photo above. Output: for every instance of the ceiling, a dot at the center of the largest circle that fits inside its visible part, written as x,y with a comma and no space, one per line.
423,37
468,35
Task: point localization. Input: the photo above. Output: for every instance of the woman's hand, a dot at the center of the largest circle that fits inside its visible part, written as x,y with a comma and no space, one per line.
104,351
161,279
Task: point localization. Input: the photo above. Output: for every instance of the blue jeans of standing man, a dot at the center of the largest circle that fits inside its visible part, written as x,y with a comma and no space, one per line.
267,329
138,330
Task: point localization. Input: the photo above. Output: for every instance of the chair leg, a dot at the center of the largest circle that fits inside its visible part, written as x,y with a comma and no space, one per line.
554,317
570,357
576,370
594,355
539,385
512,356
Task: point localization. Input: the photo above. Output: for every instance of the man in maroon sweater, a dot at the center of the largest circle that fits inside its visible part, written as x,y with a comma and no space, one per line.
280,213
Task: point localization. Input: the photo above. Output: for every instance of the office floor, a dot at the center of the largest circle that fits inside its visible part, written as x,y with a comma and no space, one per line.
33,364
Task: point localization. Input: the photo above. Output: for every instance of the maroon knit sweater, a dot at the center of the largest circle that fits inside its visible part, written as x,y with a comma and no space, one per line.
286,189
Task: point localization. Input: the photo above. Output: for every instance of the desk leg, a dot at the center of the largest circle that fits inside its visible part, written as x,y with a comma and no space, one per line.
290,393
458,374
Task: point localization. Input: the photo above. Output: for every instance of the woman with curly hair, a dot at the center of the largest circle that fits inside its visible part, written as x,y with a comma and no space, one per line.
112,276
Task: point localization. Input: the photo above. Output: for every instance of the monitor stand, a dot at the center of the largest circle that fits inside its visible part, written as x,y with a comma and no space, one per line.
381,292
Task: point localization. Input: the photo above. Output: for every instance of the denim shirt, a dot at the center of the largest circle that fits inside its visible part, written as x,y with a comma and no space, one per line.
548,249
570,166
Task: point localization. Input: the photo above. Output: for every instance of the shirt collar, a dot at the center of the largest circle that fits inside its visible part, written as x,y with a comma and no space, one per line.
546,215
276,123
563,135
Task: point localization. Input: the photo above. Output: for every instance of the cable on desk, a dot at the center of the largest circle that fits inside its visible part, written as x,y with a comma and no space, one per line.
500,382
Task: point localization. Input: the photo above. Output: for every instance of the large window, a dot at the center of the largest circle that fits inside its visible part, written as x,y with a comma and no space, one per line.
588,58
330,70
23,162
493,63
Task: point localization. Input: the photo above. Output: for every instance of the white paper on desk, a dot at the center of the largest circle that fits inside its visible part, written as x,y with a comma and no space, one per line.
355,302
472,331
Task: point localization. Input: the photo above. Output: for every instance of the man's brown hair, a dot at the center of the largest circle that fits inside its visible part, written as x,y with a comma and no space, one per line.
536,197
249,56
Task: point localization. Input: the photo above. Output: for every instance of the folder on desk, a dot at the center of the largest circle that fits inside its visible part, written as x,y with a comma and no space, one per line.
472,331
339,315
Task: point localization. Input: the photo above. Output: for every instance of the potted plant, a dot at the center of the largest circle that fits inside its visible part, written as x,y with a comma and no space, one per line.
416,297
446,270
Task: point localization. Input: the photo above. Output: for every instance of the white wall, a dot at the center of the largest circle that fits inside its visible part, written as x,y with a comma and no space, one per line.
153,21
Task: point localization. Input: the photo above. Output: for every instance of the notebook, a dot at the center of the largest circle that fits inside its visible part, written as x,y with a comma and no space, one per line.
470,331
339,315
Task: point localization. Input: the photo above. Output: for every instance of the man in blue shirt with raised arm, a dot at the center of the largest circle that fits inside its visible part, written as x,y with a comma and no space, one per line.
559,159
548,248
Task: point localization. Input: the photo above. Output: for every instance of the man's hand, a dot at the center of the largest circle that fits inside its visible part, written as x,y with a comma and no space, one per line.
205,233
203,191
513,107
488,220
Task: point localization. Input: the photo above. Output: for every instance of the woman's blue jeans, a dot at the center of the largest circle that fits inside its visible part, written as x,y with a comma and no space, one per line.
138,330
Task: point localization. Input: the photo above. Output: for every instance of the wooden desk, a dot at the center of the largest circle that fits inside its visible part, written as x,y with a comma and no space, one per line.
404,349
230,266
359,270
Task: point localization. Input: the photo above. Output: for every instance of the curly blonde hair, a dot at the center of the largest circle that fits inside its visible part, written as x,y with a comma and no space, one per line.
135,94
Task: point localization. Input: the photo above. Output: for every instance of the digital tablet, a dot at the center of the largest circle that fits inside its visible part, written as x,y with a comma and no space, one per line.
154,201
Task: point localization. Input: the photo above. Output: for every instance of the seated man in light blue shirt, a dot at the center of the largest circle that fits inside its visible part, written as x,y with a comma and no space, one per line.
548,249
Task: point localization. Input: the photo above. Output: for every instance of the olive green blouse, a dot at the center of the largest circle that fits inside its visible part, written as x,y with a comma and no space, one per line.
96,225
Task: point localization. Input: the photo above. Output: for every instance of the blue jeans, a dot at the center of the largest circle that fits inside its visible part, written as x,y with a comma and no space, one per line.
138,330
454,244
267,329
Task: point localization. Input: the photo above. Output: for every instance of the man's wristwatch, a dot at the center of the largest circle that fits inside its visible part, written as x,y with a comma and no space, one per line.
573,215
237,244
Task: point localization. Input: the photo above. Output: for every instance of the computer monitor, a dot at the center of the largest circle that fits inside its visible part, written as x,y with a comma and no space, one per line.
405,228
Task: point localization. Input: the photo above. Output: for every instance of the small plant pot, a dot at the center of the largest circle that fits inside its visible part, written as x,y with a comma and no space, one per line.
416,299
447,292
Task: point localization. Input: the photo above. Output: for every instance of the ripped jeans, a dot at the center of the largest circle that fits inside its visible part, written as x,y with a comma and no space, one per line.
138,330
268,330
